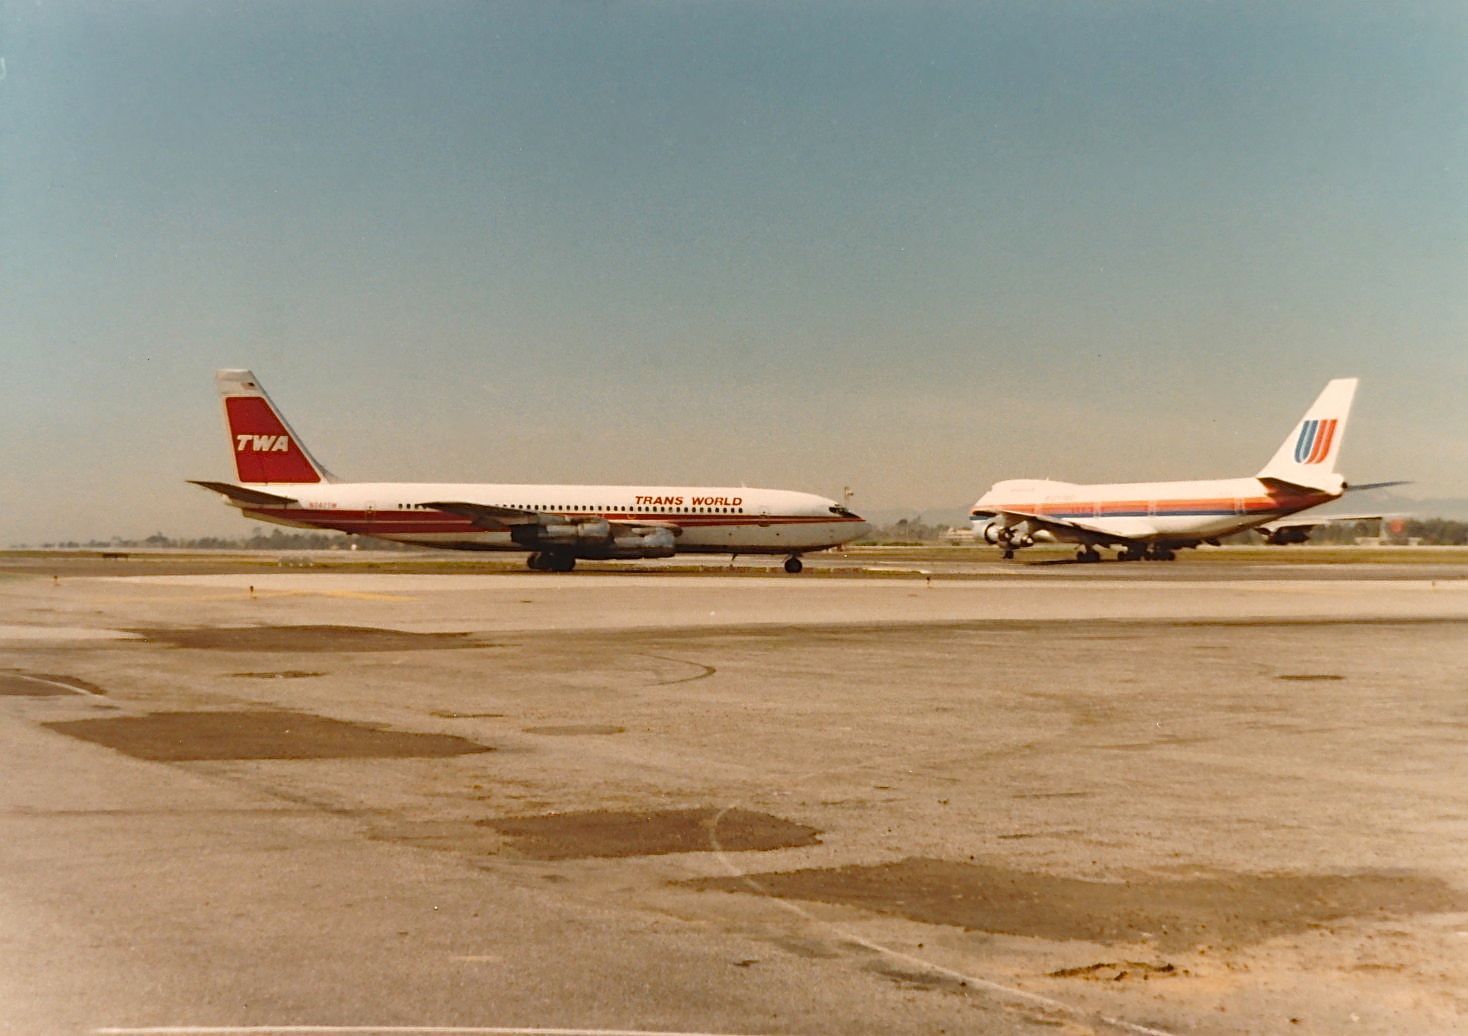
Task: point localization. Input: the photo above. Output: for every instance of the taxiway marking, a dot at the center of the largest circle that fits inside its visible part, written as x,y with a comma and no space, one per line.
424,1030
847,934
73,688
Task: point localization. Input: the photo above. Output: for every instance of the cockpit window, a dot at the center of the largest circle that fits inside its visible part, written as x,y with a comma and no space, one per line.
844,512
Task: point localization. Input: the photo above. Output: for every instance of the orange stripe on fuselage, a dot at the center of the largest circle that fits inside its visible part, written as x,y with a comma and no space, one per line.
1251,506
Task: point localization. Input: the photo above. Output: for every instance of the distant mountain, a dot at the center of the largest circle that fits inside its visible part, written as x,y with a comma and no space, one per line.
1391,502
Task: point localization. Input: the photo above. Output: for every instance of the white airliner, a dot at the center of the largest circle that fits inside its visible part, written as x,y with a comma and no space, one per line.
1151,520
280,482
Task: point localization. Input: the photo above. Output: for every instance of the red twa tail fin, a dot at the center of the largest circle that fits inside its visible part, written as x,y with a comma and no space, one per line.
265,448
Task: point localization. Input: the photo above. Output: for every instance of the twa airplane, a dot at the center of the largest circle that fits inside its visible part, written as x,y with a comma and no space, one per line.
1151,520
280,482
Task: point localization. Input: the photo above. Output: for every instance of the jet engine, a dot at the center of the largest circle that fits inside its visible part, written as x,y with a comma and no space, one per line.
596,538
996,533
1001,535
1287,535
571,534
653,543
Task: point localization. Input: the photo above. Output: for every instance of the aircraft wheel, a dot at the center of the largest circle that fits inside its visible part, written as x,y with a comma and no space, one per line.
1009,555
794,565
535,563
560,562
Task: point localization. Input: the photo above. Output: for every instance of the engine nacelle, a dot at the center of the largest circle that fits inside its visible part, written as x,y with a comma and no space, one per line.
1009,536
596,538
573,534
1287,535
654,543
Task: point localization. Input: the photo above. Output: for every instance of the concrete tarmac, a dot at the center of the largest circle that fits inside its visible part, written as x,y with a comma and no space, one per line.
332,801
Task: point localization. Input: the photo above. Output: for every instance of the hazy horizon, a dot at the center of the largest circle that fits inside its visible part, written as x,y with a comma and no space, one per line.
909,248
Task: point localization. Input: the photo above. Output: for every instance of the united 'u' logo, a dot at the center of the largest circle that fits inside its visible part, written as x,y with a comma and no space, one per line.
1313,445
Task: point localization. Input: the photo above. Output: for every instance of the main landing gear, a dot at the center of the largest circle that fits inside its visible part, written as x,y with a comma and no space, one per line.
1155,552
1088,555
793,564
549,562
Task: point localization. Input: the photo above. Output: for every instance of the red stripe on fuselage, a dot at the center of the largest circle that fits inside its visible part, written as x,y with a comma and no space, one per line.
409,522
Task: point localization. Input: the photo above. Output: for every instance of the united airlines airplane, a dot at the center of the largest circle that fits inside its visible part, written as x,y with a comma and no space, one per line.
1151,520
279,481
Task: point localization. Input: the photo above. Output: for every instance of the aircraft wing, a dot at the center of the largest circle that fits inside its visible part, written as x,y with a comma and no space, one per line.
241,495
1297,529
1307,522
495,518
490,516
1105,530
643,528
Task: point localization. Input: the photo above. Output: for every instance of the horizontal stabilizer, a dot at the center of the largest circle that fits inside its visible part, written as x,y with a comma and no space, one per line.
1283,487
1377,485
240,494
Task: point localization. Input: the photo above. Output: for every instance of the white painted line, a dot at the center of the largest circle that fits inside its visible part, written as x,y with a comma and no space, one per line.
8,632
424,1030
908,958
73,688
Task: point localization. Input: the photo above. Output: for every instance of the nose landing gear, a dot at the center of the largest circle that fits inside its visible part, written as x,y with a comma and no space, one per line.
793,564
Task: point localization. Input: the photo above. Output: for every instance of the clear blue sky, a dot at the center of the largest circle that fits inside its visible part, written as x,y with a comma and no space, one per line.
911,248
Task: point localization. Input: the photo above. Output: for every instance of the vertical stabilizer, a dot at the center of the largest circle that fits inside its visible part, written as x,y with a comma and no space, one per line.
265,448
1308,455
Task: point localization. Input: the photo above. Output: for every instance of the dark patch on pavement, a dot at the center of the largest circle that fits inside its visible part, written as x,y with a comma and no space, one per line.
1311,676
43,685
605,833
257,734
1229,909
806,949
303,638
1120,971
906,979
571,730
287,674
